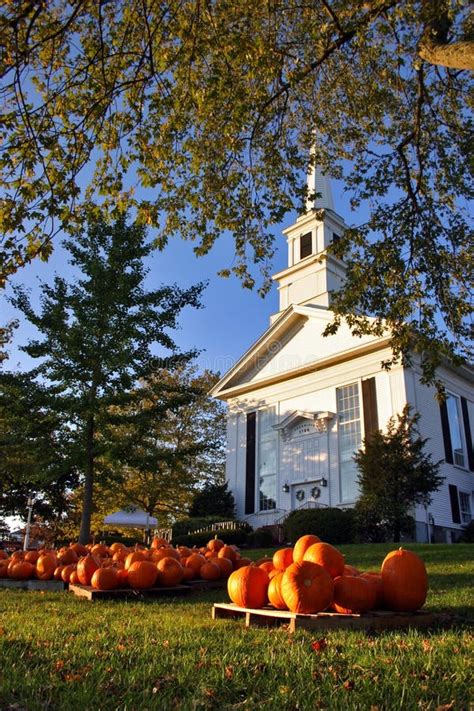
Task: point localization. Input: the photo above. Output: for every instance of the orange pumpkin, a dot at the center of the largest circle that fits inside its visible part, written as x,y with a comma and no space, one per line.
225,565
195,562
282,558
302,545
327,556
242,562
45,567
405,581
100,550
86,568
184,551
375,579
158,542
3,554
58,571
74,578
228,552
170,572
134,557
79,549
67,570
307,587
105,578
353,595
142,574
161,553
32,556
274,592
215,544
21,570
210,571
351,570
66,556
188,574
247,587
122,578
4,568
267,566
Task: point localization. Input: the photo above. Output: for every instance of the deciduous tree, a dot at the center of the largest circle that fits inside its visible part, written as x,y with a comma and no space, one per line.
202,116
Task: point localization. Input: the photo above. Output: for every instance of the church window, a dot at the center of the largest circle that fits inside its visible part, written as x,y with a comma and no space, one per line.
465,507
306,245
349,438
454,420
267,459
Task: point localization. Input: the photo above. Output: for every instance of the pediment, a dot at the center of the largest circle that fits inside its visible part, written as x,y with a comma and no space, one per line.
301,424
293,344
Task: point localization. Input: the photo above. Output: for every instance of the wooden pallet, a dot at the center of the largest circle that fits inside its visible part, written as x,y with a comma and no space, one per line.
46,585
91,593
201,585
377,620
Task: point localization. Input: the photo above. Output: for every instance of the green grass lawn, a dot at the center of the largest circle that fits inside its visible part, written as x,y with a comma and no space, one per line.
61,652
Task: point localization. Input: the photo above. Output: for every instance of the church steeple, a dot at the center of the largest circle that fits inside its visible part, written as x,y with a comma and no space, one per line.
312,272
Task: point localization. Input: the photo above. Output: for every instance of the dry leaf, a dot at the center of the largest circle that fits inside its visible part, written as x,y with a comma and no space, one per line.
348,685
229,672
319,645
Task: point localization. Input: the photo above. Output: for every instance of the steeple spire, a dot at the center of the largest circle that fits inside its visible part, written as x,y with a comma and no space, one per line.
319,183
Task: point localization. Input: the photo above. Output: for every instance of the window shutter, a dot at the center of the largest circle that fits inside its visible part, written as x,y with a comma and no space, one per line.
467,432
448,449
369,403
250,463
453,497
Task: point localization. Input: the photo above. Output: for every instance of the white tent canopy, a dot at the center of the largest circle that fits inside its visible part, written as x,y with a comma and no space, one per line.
131,518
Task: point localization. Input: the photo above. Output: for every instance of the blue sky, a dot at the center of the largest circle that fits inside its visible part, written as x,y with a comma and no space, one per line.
232,317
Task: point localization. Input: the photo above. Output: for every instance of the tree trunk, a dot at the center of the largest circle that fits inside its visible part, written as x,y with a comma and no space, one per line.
84,536
396,532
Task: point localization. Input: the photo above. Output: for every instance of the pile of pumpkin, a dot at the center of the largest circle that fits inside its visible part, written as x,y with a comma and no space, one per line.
313,577
116,566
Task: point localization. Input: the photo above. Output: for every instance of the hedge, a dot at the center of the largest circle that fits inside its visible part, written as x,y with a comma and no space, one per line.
330,524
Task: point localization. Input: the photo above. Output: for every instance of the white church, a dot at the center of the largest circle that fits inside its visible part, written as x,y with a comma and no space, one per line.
299,403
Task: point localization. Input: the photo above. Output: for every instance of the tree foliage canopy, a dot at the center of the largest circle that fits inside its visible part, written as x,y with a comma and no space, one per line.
202,116
100,336
395,474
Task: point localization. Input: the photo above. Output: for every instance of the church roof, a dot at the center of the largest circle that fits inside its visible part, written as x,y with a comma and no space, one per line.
253,370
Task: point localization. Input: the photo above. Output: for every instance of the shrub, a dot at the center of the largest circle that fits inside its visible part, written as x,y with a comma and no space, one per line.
331,525
467,533
260,538
238,538
371,527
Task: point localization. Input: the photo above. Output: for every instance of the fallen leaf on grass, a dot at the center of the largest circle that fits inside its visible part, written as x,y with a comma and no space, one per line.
229,672
426,644
348,685
445,707
71,678
319,645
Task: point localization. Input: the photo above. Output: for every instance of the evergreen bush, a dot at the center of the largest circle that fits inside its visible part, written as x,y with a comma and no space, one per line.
330,524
